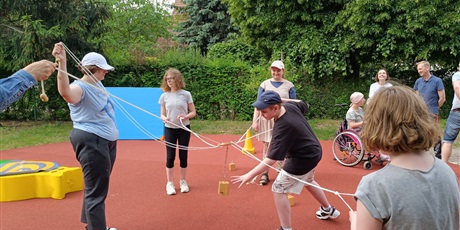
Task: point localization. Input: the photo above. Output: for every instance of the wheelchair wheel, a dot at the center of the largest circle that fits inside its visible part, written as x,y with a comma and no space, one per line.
367,165
347,148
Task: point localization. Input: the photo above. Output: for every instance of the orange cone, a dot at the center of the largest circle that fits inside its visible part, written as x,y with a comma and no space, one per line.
248,144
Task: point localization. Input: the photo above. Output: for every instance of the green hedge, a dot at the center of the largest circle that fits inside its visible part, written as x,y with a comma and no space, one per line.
223,88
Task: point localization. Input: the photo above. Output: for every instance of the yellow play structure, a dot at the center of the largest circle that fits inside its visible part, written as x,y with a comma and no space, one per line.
20,180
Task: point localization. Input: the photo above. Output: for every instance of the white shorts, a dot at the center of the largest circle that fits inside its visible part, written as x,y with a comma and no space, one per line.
286,182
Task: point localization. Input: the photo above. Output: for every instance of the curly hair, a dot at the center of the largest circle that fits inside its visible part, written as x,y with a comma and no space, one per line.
397,120
177,75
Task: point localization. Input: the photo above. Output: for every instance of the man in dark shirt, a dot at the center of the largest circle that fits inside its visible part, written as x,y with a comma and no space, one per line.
294,141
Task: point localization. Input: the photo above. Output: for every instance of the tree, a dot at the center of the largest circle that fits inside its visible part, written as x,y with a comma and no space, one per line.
347,37
207,23
402,32
133,30
29,28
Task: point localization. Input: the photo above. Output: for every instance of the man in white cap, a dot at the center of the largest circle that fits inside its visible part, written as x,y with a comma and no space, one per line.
294,140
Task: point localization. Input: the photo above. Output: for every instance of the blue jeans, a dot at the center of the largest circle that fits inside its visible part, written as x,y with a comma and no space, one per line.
452,127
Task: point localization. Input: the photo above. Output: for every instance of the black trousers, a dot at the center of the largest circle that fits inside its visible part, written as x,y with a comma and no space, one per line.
173,137
97,157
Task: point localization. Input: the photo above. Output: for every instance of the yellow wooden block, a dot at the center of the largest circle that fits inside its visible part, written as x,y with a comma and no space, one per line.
55,184
231,166
223,187
291,199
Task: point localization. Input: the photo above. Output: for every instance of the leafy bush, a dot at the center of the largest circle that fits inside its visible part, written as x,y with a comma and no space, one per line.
236,50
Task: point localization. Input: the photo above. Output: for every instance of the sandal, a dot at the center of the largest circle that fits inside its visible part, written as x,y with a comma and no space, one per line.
264,179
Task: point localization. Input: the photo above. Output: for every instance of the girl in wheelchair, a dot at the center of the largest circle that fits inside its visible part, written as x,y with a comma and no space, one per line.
355,118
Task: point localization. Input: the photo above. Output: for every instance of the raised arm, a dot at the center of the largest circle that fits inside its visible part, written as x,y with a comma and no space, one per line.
70,93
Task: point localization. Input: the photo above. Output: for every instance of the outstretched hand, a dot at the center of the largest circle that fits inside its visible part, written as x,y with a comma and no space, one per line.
41,70
240,179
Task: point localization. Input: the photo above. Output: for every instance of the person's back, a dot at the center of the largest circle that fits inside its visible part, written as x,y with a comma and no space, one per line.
411,199
416,190
294,139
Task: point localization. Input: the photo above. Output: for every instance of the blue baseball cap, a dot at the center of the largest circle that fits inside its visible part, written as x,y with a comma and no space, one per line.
267,98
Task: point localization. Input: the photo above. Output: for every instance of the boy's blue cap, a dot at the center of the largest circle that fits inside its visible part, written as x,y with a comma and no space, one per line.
267,98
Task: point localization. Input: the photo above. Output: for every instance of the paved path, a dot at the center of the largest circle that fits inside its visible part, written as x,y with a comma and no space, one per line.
137,198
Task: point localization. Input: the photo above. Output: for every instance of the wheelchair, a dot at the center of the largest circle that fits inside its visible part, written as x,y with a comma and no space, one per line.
349,151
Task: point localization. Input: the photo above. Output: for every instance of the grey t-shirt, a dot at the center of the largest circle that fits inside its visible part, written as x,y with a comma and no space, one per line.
412,199
176,103
355,116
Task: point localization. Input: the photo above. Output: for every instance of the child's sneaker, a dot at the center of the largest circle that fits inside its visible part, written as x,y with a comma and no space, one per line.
183,186
170,190
331,214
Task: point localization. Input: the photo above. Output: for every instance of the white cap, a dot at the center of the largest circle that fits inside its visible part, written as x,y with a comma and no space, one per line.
277,64
97,60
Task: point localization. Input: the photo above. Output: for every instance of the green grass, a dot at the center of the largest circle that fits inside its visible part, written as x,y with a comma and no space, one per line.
22,134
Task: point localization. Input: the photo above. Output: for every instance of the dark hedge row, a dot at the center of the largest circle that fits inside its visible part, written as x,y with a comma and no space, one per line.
221,88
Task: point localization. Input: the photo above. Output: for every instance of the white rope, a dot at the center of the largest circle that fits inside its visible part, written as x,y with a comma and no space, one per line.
101,88
116,100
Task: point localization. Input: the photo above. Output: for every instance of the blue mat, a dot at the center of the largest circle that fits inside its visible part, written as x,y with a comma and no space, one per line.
144,98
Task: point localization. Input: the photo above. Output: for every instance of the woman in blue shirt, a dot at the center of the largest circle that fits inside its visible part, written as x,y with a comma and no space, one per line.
94,134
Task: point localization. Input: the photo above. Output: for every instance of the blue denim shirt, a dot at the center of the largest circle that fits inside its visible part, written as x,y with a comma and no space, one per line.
14,86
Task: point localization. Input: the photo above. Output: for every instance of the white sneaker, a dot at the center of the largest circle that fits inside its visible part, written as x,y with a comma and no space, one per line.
170,190
324,215
183,186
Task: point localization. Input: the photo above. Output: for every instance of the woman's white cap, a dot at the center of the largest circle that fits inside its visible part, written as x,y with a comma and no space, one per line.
277,64
97,60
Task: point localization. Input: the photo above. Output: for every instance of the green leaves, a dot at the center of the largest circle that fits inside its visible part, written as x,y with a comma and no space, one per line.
133,31
340,38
